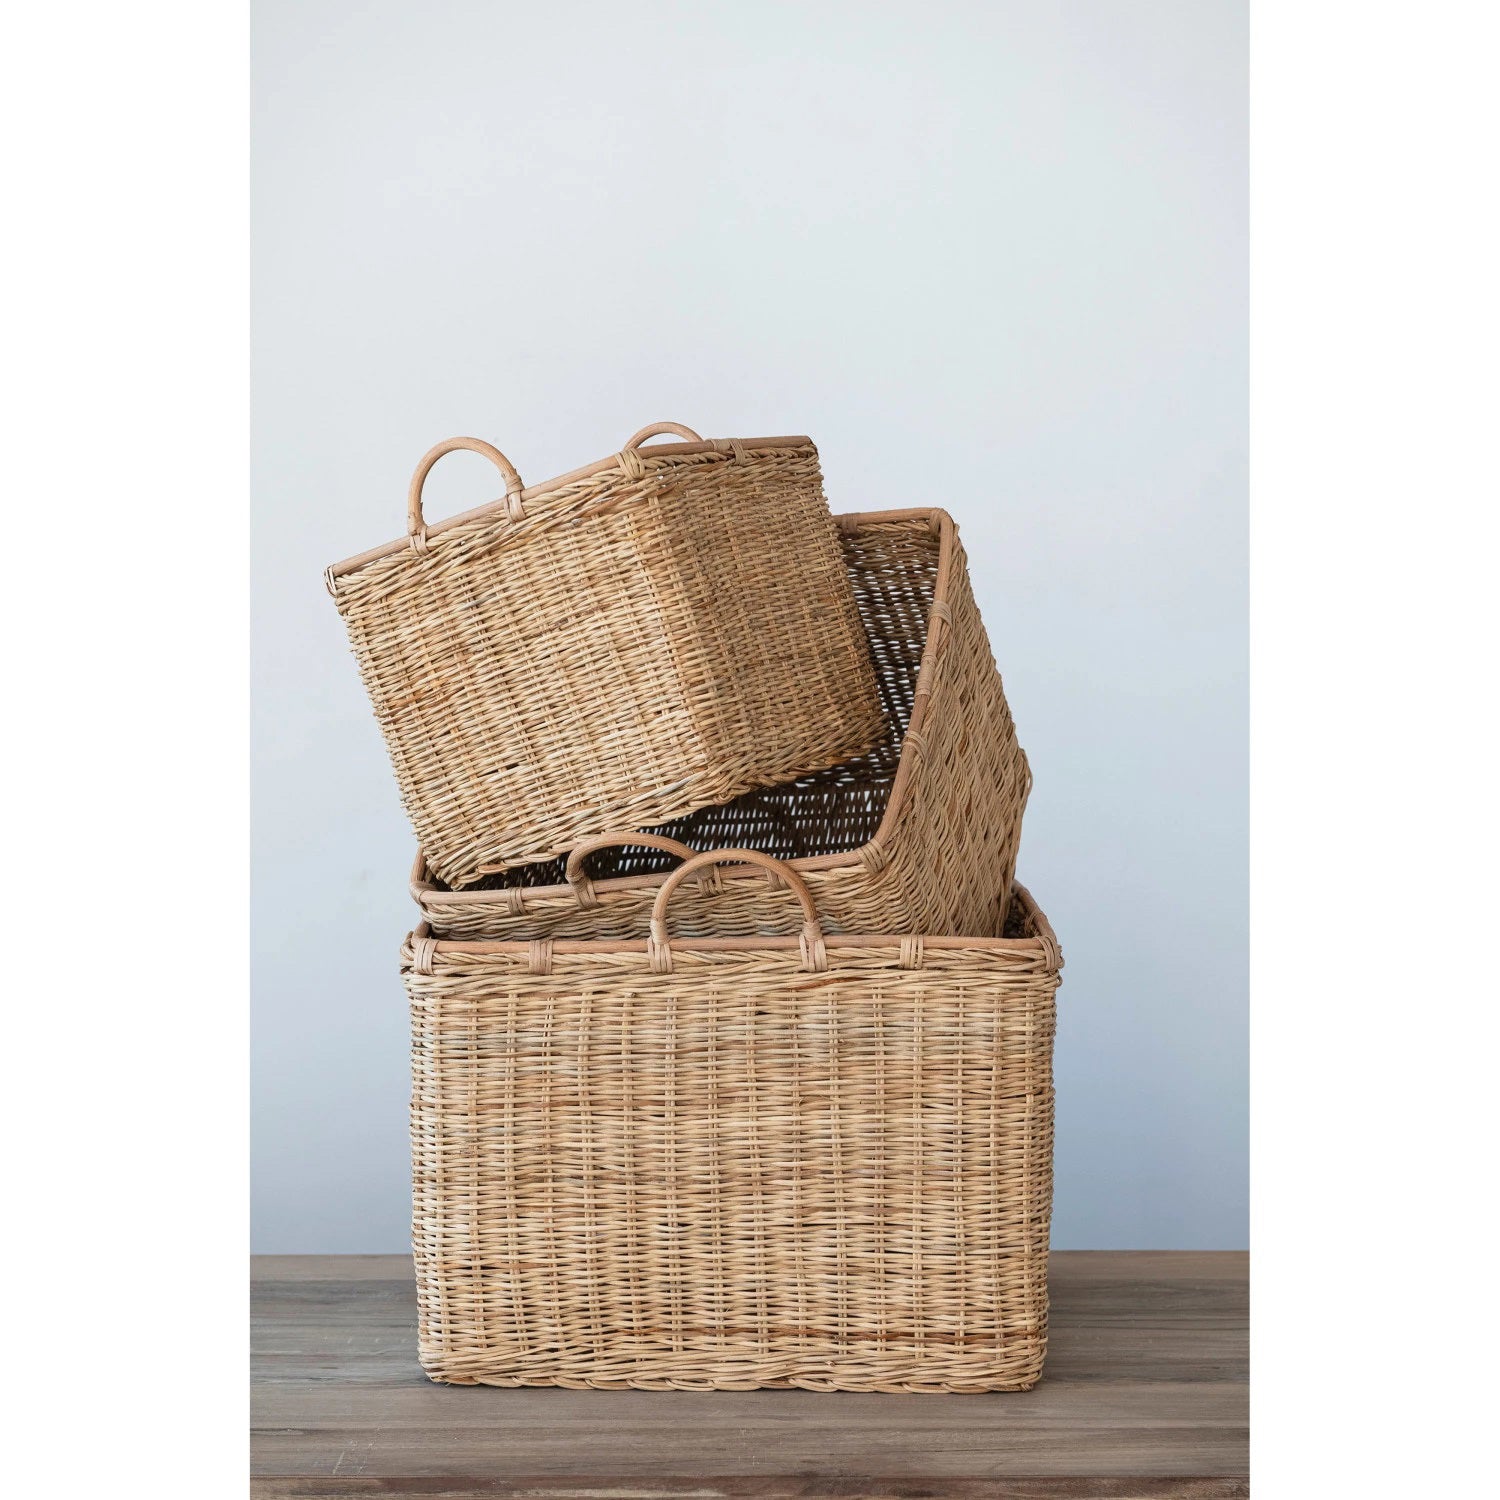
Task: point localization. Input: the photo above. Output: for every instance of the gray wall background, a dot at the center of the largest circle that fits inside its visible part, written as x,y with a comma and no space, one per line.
992,256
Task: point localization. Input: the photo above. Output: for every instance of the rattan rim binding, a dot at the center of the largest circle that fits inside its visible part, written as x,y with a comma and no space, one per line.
534,491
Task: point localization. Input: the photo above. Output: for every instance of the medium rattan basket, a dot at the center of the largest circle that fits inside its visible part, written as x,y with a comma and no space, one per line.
661,631
919,835
725,1163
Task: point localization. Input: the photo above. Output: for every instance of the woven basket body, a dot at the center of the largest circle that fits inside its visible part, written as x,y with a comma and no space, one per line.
919,835
725,1164
657,633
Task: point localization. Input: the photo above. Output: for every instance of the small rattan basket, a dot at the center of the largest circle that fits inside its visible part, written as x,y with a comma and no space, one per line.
919,835
661,631
722,1163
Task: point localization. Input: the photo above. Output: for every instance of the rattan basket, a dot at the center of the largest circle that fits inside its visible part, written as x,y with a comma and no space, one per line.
661,631
724,1163
919,835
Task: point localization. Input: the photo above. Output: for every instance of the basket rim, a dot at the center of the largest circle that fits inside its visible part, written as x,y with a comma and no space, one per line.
1043,942
532,491
423,890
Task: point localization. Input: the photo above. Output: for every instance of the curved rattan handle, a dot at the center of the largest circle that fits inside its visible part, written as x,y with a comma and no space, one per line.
577,877
814,953
661,429
416,526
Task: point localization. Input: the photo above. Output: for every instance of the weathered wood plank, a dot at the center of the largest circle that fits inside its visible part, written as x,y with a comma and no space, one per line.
742,1488
264,1268
609,1452
1144,1395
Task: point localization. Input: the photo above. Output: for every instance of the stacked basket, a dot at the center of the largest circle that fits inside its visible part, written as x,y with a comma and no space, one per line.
731,1033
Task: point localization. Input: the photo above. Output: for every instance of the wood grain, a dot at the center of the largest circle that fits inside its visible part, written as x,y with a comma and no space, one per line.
1144,1396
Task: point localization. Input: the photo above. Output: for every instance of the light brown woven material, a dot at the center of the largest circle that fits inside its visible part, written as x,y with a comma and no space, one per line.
661,631
727,1163
917,836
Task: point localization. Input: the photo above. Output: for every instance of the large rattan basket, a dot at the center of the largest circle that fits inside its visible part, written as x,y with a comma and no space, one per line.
724,1163
919,835
661,631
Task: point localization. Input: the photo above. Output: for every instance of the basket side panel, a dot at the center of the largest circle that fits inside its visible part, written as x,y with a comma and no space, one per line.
759,609
948,860
735,1175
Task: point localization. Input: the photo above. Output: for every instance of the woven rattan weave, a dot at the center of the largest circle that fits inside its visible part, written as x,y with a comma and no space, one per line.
917,836
815,1161
656,633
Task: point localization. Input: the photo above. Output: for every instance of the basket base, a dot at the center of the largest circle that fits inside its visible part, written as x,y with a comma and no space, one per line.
1017,1367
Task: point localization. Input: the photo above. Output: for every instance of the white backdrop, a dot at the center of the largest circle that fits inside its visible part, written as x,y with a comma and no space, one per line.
991,256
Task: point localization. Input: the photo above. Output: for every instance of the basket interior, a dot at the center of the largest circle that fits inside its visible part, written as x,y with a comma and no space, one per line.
1022,918
893,566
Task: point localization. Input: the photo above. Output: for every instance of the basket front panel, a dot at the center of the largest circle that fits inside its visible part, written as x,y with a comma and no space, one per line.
476,667
736,1175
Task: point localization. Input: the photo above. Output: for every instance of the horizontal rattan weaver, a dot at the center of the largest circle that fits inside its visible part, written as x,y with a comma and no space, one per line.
655,633
920,835
724,1163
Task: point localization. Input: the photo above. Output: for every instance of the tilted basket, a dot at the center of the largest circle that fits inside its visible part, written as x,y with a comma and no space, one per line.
661,631
721,1163
919,835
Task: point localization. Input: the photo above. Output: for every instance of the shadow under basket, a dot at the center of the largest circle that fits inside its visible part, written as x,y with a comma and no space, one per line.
920,835
821,1160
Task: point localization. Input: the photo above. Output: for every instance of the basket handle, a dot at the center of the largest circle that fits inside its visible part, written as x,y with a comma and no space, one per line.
578,878
814,952
661,429
416,525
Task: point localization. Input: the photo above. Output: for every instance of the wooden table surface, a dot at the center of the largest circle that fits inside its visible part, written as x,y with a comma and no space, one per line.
1144,1395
